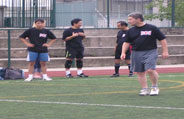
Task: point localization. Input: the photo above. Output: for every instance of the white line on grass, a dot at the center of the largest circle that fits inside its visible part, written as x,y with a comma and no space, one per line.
171,75
77,79
100,78
88,104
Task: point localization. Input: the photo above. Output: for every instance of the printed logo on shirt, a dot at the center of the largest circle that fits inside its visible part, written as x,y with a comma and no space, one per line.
146,33
123,35
43,35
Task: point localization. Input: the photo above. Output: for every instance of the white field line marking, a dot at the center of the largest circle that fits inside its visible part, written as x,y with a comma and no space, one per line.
111,68
99,78
172,75
88,104
74,79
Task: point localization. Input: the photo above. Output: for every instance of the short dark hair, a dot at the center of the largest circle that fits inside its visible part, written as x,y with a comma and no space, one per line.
75,21
39,20
122,23
136,15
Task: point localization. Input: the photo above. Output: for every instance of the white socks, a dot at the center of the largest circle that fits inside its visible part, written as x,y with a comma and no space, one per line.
30,76
67,72
78,72
45,76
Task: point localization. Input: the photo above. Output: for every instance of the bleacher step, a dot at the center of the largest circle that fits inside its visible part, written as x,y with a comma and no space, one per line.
88,61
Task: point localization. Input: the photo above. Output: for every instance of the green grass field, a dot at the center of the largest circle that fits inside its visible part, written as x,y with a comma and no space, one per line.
91,98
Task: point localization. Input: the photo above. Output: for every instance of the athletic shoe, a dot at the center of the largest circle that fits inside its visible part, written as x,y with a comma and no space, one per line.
130,75
28,79
115,75
82,75
47,79
154,91
144,92
69,76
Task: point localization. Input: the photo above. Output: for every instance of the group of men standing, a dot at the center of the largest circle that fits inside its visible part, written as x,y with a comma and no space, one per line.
38,47
137,46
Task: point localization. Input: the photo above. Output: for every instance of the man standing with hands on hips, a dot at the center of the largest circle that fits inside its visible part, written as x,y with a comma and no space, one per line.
38,47
143,38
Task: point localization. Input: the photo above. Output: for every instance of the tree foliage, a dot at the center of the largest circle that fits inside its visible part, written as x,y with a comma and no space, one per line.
165,11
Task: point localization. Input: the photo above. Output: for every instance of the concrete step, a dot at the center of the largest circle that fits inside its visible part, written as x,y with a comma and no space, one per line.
59,32
89,51
175,39
172,31
90,41
59,62
15,32
16,43
173,49
88,61
58,52
109,51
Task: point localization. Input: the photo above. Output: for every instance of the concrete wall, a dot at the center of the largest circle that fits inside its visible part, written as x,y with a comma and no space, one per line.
99,48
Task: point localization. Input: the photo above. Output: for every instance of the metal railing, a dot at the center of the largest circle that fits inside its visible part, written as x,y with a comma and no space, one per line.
22,13
59,13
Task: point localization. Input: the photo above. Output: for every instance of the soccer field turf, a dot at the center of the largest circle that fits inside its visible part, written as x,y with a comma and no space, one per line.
99,97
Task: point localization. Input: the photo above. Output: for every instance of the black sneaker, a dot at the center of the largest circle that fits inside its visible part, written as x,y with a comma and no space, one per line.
115,75
69,76
82,75
131,75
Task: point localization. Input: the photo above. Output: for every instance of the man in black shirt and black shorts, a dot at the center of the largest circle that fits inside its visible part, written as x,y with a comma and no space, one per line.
74,47
143,38
38,47
121,37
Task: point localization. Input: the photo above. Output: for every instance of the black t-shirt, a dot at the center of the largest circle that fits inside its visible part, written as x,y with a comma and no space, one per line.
144,38
121,37
74,42
38,38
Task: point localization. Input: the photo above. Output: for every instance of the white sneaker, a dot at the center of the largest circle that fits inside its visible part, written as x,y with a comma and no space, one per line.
144,92
47,78
154,91
28,79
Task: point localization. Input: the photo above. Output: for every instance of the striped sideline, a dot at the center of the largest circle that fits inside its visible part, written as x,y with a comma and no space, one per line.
88,104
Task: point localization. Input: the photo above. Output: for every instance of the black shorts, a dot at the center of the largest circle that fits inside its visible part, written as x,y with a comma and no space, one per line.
74,53
118,53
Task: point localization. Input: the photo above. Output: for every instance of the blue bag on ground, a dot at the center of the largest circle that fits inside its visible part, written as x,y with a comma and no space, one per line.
2,73
14,74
